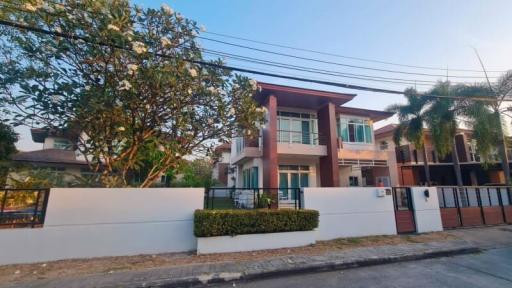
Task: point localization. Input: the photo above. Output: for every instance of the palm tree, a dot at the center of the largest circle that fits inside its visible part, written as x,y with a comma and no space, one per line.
411,119
441,119
485,118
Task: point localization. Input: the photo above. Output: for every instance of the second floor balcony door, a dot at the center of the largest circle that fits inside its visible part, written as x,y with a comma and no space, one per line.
299,131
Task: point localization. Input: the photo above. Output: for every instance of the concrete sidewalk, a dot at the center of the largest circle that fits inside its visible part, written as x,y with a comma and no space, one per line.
199,274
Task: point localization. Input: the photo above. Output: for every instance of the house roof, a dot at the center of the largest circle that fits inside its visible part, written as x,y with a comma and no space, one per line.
288,96
375,115
385,130
223,147
54,156
39,134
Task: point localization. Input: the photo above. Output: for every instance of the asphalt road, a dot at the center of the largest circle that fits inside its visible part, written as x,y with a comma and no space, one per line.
491,268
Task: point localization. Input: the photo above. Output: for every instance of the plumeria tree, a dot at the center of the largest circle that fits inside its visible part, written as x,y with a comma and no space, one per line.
125,79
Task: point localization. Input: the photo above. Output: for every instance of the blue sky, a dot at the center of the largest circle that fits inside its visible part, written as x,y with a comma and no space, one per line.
424,33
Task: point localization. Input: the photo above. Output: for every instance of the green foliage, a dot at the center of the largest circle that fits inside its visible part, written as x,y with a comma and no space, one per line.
196,173
208,223
265,200
34,178
8,139
121,100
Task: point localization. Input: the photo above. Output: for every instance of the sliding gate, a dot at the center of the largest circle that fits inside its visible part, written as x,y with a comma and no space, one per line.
404,211
474,206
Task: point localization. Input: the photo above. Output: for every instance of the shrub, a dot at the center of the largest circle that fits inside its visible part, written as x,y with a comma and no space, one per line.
208,223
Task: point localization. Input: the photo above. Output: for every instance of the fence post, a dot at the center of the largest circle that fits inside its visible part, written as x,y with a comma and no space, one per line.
456,194
35,208
479,202
213,195
300,197
3,203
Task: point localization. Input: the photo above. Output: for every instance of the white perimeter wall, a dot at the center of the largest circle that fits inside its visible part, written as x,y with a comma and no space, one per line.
96,222
351,212
426,210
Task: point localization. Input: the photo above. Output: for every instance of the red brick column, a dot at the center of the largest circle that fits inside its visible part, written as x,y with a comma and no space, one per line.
329,170
270,145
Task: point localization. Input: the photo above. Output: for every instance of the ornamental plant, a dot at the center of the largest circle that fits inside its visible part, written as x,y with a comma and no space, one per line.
131,82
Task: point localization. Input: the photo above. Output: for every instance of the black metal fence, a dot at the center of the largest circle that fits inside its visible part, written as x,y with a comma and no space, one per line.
252,198
23,207
482,196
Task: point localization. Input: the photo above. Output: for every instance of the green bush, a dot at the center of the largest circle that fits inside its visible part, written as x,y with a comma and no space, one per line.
208,223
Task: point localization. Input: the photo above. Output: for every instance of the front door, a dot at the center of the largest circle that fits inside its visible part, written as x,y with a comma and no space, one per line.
289,183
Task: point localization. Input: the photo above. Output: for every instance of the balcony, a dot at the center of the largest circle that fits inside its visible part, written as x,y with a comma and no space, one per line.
365,154
300,143
246,148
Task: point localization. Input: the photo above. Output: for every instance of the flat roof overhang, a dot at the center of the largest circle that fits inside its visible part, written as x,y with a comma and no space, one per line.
288,96
374,115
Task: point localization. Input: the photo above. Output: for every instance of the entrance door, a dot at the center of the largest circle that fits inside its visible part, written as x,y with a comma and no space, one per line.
404,213
289,183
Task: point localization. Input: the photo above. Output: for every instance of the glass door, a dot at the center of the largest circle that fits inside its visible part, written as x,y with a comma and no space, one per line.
283,186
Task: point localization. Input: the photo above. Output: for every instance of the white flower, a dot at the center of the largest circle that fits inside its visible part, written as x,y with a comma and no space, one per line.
112,27
254,84
212,89
30,7
124,85
132,68
48,8
58,29
189,91
55,98
202,28
231,111
139,47
59,7
87,88
168,10
192,72
165,41
121,129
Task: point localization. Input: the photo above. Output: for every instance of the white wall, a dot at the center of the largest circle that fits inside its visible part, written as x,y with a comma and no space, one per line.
426,210
351,212
96,222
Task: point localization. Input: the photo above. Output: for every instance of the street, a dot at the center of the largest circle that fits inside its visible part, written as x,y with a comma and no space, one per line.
491,268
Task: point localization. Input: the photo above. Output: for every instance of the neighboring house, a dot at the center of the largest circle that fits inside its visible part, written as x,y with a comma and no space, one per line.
311,140
409,161
57,155
221,167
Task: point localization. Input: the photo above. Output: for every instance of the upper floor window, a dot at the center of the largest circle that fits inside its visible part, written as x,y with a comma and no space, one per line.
384,145
62,144
355,130
296,127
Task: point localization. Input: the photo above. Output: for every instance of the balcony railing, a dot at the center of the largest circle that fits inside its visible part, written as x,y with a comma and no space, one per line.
298,137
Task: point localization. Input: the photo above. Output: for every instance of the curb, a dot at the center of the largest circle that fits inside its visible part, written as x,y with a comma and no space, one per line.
322,267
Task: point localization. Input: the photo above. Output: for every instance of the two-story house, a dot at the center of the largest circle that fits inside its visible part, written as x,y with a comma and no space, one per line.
410,168
311,140
58,155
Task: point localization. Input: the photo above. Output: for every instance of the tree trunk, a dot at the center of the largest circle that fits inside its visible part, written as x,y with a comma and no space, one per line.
425,165
502,146
456,164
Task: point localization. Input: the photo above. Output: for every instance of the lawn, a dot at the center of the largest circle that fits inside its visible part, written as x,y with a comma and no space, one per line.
221,203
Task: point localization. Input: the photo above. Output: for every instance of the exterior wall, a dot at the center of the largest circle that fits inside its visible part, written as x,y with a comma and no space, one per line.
269,170
351,212
329,164
252,242
426,210
346,172
98,222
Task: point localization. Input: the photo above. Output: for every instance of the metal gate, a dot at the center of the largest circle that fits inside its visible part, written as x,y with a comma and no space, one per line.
404,212
474,206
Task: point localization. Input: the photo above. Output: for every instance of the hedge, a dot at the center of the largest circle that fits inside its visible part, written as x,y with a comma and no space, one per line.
208,223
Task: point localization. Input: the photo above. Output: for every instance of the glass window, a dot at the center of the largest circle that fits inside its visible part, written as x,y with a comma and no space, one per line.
355,130
62,144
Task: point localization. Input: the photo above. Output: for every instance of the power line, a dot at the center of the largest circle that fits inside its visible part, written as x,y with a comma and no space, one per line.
335,63
218,66
344,56
323,71
318,60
